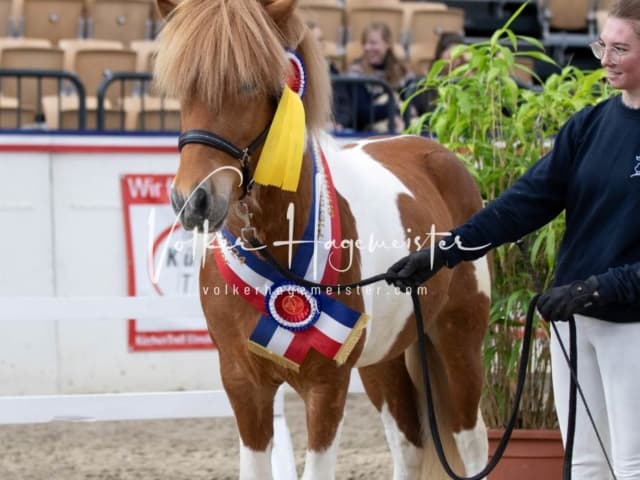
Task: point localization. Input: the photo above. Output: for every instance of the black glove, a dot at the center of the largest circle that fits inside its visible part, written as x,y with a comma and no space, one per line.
416,268
560,303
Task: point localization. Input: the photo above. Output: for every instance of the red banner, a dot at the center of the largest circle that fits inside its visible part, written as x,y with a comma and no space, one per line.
162,259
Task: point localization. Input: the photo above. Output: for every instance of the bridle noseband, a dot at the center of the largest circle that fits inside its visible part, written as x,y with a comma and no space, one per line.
243,155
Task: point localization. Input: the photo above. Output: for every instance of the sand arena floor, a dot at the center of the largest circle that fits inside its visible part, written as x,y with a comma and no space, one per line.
199,449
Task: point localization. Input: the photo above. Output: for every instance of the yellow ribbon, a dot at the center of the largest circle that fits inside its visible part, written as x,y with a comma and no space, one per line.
281,158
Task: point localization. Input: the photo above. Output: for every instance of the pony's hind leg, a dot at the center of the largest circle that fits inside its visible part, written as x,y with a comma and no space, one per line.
390,389
457,339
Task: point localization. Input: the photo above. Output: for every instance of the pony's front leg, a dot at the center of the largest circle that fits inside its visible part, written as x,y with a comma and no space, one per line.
324,406
253,409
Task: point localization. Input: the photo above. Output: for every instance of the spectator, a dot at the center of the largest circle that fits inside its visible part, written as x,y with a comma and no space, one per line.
370,101
426,101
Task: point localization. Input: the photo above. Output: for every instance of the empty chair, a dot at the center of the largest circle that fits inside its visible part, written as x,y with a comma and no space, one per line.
359,18
123,20
92,60
61,112
424,31
330,19
561,15
410,7
30,54
14,116
92,66
51,19
152,113
145,54
7,27
566,24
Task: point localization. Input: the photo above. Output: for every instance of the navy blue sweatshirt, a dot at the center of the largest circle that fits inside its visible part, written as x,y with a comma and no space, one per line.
593,172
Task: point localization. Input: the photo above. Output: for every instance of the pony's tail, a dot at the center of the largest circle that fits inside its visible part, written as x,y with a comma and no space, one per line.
431,467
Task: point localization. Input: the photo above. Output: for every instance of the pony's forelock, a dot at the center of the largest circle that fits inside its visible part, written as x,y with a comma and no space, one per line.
212,50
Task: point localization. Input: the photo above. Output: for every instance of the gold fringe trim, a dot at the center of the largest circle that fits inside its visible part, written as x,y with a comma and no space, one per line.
351,340
274,357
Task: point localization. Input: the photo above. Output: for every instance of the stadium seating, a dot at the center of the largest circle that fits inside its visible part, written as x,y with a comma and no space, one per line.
410,8
6,18
123,20
425,28
152,113
145,50
11,116
51,19
27,54
567,24
331,19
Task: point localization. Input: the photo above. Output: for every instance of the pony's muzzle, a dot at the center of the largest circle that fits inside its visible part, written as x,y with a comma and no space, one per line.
199,211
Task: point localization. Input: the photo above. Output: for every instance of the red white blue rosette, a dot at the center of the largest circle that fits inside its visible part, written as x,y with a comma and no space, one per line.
292,306
297,81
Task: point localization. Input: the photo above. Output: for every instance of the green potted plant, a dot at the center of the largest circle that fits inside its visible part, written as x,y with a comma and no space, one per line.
499,128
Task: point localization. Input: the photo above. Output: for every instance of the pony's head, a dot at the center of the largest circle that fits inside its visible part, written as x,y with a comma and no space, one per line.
226,61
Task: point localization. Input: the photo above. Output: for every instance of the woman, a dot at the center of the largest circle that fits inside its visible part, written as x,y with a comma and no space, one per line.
592,173
369,103
447,42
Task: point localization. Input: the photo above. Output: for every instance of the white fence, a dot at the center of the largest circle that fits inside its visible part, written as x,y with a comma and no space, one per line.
125,406
64,352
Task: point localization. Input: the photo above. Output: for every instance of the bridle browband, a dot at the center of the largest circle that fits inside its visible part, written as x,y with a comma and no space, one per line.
243,155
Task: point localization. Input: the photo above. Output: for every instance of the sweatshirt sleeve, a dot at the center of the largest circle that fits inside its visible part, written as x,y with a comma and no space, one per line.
621,285
532,201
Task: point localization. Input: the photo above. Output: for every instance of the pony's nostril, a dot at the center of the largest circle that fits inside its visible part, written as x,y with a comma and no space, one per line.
200,201
177,201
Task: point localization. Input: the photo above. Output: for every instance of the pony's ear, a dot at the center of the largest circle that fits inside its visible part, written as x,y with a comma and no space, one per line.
279,10
165,7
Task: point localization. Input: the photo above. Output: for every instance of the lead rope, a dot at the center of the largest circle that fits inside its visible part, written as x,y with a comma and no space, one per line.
522,365
574,387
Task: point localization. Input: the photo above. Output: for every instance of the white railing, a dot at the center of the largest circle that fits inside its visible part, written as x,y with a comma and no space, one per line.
126,406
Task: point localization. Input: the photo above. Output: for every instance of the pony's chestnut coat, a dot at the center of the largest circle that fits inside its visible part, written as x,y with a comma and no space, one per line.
224,59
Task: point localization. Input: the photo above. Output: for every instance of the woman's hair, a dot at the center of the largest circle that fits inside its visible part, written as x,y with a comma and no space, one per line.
394,69
627,10
447,40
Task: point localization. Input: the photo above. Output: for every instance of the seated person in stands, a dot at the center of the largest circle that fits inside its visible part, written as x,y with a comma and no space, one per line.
370,101
425,102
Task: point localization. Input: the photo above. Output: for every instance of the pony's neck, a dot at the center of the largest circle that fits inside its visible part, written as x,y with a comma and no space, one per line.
274,212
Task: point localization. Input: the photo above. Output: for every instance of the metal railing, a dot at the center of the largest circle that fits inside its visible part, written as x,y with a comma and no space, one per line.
360,103
39,75
141,83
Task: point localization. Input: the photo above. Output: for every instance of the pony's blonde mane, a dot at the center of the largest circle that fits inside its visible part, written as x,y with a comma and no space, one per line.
212,50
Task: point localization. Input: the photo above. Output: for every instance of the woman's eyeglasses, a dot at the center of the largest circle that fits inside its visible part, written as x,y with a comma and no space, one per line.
599,48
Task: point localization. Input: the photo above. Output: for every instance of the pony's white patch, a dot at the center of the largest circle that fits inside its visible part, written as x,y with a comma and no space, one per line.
322,465
483,277
374,205
255,465
407,457
473,447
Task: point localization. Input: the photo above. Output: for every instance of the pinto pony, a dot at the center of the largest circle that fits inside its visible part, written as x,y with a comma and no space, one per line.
227,61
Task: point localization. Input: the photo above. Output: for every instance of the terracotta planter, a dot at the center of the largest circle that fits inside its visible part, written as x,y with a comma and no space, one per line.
530,455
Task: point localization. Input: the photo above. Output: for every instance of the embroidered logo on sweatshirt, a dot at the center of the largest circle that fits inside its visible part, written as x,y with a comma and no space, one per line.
636,170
